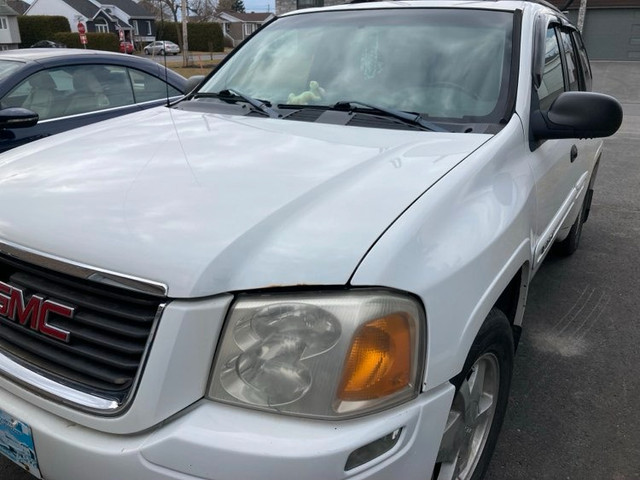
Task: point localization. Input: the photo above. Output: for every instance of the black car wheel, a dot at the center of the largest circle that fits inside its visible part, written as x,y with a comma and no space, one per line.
479,405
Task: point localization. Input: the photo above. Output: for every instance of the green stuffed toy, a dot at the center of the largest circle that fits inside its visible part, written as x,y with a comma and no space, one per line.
315,93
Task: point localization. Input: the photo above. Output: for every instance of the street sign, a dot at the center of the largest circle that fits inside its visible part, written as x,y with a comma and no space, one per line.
83,39
81,29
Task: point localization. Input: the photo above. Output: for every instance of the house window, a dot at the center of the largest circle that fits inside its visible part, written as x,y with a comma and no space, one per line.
249,28
135,28
3,23
149,28
310,3
101,25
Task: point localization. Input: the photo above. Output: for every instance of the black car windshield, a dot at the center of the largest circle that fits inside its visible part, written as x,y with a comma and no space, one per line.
449,64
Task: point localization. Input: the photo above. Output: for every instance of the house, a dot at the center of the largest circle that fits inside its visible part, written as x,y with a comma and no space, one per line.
611,28
18,5
135,21
236,26
9,30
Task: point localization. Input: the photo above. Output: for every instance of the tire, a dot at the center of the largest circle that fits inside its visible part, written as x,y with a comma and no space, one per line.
162,52
146,51
479,405
569,245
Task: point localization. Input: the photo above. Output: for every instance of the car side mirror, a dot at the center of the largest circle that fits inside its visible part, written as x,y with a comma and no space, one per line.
193,82
17,117
578,115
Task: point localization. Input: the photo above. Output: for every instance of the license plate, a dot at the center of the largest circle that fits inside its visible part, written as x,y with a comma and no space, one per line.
16,443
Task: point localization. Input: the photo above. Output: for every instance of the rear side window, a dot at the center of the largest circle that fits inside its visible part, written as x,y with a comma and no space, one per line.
584,60
573,76
552,84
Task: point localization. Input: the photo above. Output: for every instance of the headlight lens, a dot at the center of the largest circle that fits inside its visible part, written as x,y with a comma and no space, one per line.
321,355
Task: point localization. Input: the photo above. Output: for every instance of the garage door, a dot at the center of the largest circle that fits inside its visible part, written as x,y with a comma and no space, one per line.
611,34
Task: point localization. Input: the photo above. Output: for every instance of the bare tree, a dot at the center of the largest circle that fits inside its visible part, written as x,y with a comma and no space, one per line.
202,10
225,5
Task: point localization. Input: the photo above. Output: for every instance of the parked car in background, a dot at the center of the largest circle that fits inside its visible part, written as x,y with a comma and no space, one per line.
48,44
162,47
126,47
68,88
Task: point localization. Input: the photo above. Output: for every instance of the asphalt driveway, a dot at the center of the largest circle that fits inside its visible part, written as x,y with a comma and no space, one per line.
573,408
573,411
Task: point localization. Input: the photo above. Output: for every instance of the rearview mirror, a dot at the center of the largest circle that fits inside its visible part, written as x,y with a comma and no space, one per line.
17,117
578,115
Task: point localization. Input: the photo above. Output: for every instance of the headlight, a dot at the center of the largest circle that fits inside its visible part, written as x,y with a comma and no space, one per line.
327,355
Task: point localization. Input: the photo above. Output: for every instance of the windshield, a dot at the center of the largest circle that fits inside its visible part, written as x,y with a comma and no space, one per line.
450,64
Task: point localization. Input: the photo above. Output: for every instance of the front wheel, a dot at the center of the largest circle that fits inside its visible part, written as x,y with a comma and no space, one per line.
162,52
479,404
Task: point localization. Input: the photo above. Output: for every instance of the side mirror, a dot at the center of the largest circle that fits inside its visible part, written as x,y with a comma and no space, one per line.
578,115
193,82
17,117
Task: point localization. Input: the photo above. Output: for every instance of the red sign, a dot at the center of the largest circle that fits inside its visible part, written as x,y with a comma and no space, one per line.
83,39
81,29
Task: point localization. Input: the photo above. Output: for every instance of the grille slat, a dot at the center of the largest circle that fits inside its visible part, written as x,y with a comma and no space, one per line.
112,325
108,333
65,294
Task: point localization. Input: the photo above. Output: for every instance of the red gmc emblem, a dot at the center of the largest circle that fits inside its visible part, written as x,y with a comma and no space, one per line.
34,311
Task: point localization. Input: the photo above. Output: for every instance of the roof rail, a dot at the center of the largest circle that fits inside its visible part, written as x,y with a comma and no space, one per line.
540,2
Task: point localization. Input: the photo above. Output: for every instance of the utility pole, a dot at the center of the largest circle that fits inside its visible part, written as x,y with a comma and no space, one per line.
185,41
581,13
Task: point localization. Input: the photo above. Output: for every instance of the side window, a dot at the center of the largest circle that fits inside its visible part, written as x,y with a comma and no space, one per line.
39,93
552,83
573,77
117,86
584,61
147,87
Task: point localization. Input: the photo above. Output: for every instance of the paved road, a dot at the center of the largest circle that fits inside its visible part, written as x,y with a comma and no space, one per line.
572,412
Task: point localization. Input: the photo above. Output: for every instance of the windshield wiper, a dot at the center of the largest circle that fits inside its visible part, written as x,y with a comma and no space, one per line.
232,93
410,118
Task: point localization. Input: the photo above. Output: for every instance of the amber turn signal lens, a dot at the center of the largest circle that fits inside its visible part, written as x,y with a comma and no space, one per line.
379,360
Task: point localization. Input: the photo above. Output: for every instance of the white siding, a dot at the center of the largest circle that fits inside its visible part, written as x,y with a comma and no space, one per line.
56,7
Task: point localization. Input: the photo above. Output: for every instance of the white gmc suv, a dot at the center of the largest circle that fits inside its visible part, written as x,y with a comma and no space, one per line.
314,266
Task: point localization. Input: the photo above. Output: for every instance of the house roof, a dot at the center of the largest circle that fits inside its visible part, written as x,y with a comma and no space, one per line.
248,17
18,5
598,4
89,9
85,7
132,8
6,10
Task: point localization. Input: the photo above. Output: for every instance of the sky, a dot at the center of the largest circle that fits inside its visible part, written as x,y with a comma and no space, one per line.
259,5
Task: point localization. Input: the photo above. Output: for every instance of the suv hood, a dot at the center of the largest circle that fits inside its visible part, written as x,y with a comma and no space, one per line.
208,203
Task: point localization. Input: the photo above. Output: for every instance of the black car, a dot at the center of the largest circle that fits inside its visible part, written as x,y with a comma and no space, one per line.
69,88
48,44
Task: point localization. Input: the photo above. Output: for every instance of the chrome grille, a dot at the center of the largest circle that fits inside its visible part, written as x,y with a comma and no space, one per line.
108,333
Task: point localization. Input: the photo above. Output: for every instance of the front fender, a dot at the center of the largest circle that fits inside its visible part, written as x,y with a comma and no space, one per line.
459,246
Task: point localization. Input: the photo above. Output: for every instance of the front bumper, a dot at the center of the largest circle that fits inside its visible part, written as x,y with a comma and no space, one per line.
221,442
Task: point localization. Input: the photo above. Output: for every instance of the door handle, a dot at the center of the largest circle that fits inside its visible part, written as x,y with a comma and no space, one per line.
574,153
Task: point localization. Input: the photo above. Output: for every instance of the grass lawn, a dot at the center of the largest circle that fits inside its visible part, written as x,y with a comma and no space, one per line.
201,63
